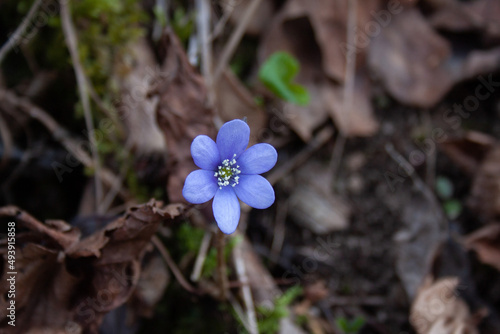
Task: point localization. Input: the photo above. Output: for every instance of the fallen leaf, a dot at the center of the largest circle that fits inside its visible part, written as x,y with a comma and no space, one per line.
64,283
486,243
468,151
357,120
236,102
438,309
418,241
137,109
458,16
410,58
182,113
312,203
236,10
485,190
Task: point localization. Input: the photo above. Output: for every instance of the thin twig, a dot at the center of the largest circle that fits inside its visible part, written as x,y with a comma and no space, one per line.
245,289
71,42
14,39
114,191
171,264
60,134
203,25
408,168
234,39
279,231
350,72
238,310
202,255
105,109
221,265
219,27
321,138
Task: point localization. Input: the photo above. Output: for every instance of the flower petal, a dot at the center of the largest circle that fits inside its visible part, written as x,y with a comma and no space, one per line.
200,186
226,209
233,138
255,191
258,159
205,153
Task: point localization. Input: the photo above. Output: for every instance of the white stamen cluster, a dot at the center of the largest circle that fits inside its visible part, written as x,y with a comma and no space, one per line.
228,174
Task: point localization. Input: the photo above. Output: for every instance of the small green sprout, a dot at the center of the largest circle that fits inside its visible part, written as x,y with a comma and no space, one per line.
350,326
277,74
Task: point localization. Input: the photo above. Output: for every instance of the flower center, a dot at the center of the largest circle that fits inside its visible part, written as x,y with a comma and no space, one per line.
227,173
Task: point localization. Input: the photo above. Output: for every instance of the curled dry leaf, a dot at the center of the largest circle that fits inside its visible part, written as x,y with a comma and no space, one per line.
486,243
182,113
438,309
66,284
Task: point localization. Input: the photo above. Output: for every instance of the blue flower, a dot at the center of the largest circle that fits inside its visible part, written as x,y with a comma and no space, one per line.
230,171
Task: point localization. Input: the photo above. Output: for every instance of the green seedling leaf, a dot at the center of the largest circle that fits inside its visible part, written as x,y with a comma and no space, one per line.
452,208
277,74
350,326
444,187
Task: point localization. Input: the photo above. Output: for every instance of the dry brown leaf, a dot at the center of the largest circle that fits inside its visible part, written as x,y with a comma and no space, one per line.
236,102
438,309
469,151
136,107
486,243
182,114
410,59
358,119
485,190
312,203
418,241
260,20
64,283
482,15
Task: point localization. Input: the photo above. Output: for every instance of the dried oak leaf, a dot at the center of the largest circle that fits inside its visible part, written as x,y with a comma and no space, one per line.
486,243
64,284
438,309
182,113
